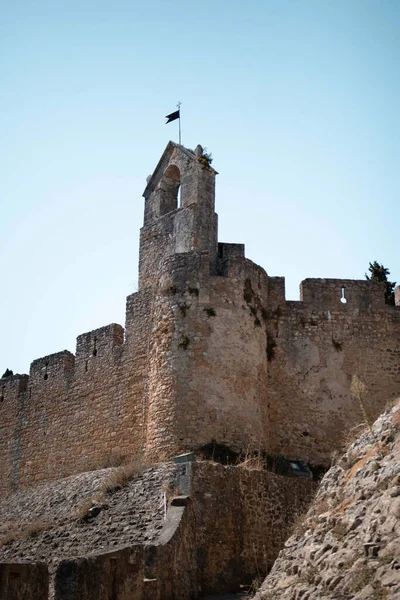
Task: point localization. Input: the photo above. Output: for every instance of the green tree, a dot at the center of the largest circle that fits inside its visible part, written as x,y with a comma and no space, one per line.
380,273
7,373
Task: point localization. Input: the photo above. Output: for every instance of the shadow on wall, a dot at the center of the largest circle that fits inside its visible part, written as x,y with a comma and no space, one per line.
24,581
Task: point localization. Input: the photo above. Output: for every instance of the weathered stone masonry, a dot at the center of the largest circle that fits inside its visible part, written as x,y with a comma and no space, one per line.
211,351
227,527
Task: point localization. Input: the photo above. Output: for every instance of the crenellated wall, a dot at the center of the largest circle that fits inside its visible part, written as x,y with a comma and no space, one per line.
317,346
73,412
353,295
211,352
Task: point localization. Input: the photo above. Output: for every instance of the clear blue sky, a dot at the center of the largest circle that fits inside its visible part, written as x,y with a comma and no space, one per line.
298,101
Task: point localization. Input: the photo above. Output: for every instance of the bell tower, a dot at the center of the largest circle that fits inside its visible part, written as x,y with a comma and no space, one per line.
179,213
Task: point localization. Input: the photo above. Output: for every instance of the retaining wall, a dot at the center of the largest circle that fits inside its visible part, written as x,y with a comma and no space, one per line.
226,528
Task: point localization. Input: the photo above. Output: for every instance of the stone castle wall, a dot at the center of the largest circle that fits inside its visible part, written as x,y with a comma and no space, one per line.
211,352
317,346
73,412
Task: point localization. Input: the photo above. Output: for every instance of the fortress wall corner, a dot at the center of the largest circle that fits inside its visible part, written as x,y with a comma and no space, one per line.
207,375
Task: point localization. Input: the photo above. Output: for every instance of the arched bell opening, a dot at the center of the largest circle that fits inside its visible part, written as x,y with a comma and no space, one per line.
170,185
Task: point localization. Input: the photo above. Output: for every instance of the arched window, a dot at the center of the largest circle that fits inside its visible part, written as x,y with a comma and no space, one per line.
170,185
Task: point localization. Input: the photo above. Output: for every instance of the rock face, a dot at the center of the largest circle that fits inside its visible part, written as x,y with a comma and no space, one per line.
348,544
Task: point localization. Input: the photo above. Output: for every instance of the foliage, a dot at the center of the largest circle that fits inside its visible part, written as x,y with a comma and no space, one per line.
121,476
206,158
7,373
380,273
183,342
25,531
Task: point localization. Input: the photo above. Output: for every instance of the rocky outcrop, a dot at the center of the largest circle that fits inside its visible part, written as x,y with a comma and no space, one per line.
348,544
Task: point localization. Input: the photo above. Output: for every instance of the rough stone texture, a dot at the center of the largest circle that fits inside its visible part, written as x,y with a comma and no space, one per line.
52,515
211,351
320,344
163,571
215,539
115,575
208,366
226,597
224,526
348,544
243,518
75,412
23,581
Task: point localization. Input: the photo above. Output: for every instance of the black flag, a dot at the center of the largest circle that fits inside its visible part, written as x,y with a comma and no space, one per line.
172,117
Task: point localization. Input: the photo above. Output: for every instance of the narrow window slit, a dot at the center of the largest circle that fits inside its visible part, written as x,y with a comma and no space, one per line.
343,299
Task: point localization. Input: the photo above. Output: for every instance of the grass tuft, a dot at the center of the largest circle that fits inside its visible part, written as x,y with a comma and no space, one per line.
123,474
29,530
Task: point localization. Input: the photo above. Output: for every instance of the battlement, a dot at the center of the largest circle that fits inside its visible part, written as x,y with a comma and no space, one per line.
53,366
12,386
99,341
62,364
343,294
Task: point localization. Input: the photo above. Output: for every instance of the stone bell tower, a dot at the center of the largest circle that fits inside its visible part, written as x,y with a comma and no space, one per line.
179,214
205,359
